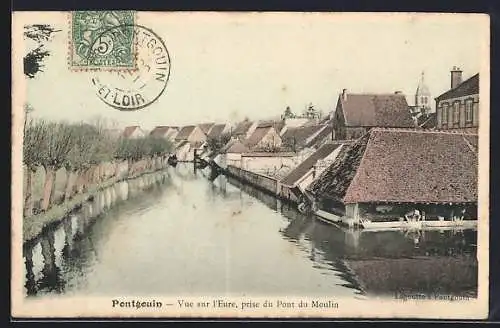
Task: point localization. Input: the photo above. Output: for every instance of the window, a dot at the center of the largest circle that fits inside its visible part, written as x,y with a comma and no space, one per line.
468,110
425,100
456,112
422,100
444,113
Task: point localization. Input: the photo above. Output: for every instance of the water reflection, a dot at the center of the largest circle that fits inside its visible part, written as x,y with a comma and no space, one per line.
193,231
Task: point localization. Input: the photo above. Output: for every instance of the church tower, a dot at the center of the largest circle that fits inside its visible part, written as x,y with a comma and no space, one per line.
423,97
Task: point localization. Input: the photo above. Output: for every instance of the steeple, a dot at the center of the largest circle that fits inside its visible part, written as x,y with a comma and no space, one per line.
423,96
422,89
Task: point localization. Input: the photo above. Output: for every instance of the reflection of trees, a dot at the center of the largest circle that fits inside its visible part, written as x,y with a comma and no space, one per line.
30,283
51,274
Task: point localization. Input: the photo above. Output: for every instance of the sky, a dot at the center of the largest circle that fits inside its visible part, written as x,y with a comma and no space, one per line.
228,66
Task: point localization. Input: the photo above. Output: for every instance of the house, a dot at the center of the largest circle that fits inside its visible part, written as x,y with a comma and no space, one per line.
458,108
192,133
218,130
355,114
278,125
298,121
273,164
244,129
183,151
167,132
389,172
230,154
206,127
298,138
133,132
264,137
325,135
296,181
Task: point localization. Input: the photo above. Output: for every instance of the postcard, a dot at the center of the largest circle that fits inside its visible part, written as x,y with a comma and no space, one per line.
250,164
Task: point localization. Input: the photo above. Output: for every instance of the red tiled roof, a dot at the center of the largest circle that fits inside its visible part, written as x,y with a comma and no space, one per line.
304,167
129,130
405,166
185,132
466,88
376,110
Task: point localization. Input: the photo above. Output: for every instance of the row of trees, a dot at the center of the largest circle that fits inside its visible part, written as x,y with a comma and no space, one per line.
81,149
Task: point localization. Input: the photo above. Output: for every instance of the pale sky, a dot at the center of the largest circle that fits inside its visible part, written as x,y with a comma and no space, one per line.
226,66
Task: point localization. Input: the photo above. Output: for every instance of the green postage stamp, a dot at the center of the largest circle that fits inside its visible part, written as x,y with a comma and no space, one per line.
102,40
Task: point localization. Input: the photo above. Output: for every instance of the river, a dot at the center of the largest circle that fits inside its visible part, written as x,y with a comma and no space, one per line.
186,232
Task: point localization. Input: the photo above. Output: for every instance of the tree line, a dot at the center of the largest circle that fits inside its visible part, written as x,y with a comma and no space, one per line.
83,150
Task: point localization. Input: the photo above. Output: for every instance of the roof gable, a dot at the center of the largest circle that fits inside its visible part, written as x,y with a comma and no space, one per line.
258,134
216,130
299,136
205,127
376,110
466,88
185,132
129,130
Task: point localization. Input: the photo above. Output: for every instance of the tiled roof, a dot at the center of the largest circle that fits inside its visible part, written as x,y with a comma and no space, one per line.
278,125
466,88
237,148
205,127
185,132
304,167
160,131
268,154
129,130
216,130
257,135
406,166
182,144
242,128
297,137
427,121
376,110
322,137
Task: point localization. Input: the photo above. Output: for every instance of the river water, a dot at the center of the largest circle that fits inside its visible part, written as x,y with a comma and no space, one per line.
188,232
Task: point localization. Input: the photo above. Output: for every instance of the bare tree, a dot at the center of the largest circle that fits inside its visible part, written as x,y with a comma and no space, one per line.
59,141
34,139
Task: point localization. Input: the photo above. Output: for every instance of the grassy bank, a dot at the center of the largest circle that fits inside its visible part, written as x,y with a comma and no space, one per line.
34,225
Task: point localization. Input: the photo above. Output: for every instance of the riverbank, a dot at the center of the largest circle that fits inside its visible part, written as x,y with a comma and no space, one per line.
35,224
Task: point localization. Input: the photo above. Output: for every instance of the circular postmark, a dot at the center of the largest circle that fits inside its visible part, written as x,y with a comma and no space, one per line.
137,88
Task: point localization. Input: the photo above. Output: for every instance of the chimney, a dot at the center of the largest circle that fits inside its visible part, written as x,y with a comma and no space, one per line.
456,77
344,94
